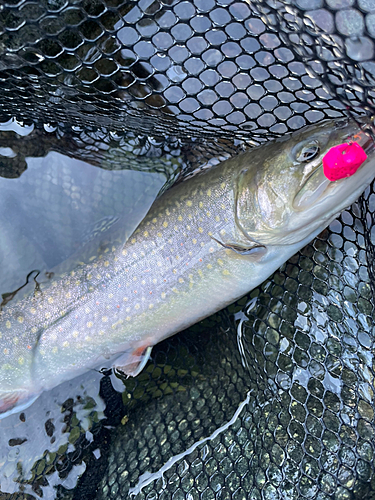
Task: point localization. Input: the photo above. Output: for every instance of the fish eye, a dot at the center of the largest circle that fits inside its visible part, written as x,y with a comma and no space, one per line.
308,153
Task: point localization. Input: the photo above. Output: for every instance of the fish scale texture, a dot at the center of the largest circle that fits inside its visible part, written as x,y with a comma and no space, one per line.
180,82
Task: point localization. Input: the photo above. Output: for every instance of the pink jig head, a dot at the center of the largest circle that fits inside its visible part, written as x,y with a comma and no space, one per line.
345,159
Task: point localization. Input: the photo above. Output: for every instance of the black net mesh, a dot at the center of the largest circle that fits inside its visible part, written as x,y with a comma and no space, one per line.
279,387
194,69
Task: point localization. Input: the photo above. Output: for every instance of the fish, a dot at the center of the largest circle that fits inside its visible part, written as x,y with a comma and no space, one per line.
203,244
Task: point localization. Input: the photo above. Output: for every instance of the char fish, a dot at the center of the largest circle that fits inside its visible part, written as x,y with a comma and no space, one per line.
204,243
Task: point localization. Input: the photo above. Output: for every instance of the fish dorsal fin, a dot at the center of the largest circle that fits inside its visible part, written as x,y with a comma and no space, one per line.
250,248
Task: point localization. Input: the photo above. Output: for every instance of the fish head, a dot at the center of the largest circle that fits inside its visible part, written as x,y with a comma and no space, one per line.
283,196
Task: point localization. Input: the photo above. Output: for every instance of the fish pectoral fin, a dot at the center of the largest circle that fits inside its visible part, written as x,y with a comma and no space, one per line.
132,363
254,249
15,401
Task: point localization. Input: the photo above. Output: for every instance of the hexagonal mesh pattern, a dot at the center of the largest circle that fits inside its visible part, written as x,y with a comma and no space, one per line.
282,396
198,68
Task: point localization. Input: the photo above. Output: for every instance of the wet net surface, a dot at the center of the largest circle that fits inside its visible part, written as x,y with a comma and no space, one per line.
280,385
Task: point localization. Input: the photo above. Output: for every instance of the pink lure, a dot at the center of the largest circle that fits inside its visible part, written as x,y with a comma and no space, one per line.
343,160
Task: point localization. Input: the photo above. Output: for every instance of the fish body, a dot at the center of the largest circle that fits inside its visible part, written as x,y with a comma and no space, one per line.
203,244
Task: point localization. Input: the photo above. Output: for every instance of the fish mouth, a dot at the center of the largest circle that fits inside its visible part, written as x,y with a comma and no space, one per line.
311,190
316,185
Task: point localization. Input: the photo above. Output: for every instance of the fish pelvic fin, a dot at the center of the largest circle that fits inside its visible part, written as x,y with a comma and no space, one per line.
132,363
15,401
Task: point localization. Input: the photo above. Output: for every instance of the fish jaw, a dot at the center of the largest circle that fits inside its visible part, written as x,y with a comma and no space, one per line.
339,195
290,196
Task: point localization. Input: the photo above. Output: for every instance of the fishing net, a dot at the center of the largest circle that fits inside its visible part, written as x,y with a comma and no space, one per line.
273,397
